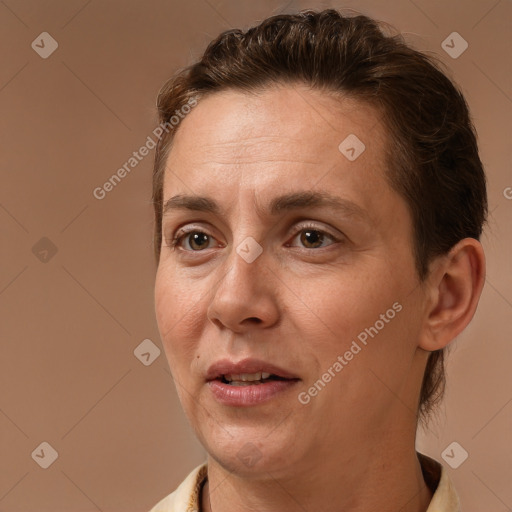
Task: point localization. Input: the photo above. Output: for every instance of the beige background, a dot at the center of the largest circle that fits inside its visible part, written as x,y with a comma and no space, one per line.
69,326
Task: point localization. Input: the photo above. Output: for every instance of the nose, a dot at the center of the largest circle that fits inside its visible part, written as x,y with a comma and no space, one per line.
245,295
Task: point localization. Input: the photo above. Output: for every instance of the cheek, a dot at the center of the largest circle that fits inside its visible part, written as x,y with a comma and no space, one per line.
343,303
176,299
166,305
363,319
177,310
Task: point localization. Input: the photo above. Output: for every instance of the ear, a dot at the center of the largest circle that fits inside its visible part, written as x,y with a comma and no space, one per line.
453,290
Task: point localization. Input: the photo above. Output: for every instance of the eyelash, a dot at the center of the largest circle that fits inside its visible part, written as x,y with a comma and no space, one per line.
182,233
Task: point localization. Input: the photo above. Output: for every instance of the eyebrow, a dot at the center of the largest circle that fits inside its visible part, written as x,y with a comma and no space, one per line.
283,203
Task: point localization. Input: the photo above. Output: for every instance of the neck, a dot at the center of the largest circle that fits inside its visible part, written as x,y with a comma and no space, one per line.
387,481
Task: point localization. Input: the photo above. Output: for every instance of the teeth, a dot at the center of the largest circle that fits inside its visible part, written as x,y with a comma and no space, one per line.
246,377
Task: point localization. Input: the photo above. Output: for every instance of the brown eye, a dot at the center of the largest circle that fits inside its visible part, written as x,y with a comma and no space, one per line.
197,240
311,237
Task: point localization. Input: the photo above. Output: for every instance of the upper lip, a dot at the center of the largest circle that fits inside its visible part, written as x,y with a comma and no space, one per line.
227,367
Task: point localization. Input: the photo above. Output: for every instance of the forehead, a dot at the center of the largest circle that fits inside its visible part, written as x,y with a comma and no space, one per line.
239,125
283,132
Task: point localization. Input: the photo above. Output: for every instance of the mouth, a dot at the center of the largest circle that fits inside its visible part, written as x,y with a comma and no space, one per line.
249,379
249,382
247,372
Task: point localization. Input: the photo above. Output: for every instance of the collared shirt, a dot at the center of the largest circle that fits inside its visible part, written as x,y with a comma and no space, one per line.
186,497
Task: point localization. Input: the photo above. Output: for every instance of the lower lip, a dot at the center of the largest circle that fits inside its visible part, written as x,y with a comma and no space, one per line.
245,396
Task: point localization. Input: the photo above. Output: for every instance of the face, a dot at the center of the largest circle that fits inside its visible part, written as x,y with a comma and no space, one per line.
300,263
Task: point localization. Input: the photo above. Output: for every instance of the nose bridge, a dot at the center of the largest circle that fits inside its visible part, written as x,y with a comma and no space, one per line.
246,257
244,292
245,265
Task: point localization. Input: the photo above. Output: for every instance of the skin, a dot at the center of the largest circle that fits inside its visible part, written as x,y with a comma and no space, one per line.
301,303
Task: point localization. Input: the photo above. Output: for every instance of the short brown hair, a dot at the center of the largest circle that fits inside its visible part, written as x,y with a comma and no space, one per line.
432,158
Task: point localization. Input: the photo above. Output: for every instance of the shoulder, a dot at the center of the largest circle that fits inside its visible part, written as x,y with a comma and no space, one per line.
186,496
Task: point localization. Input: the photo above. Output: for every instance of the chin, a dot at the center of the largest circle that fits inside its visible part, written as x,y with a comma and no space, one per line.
251,453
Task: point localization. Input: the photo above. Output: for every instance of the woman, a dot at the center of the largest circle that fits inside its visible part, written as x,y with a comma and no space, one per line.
316,252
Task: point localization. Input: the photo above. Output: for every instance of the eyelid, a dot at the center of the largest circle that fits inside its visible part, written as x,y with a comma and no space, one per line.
312,225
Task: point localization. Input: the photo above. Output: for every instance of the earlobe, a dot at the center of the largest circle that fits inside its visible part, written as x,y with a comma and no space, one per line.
455,285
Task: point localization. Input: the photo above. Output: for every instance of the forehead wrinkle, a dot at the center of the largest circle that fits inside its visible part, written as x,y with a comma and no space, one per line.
250,149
